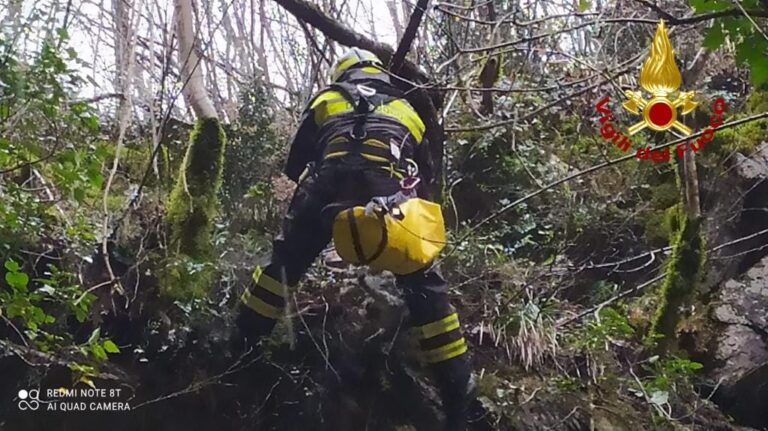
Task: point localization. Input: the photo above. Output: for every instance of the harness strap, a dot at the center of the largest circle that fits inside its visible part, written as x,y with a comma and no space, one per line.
342,147
362,109
363,105
356,238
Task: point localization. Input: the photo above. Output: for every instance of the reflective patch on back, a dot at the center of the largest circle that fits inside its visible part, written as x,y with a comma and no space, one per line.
328,104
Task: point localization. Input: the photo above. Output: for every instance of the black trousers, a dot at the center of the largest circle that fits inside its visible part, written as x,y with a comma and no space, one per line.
306,231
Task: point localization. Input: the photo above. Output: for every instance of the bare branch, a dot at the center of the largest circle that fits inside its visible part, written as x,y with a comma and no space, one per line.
408,36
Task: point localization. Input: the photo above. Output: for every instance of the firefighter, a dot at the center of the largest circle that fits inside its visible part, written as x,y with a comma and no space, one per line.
355,141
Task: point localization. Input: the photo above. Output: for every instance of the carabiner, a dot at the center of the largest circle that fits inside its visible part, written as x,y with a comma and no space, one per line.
409,183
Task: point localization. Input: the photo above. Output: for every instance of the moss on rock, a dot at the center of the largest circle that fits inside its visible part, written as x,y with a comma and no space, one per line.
745,137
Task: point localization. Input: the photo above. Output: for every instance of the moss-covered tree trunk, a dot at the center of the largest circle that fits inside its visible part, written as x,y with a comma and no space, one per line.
193,203
684,267
194,200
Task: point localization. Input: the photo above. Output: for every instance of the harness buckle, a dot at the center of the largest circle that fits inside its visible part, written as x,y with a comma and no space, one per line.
408,183
412,175
365,90
413,168
354,133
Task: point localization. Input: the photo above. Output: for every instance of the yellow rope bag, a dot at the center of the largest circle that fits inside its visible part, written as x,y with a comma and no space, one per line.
402,239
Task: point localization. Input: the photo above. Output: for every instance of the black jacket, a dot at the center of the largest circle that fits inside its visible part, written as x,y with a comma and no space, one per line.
331,113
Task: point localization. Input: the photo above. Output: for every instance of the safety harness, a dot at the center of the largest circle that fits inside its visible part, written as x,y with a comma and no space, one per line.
362,139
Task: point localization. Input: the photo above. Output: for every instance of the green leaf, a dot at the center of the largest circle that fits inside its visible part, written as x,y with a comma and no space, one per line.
81,315
91,122
72,53
735,26
99,352
583,5
714,38
111,347
11,265
758,67
17,279
709,5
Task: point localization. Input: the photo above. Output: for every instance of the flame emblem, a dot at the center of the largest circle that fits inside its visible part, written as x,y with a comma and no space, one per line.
660,77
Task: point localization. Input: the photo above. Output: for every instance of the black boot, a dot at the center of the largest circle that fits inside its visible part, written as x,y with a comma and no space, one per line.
458,391
248,333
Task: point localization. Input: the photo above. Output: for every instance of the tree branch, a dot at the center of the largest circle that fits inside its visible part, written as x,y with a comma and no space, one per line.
408,36
672,20
332,29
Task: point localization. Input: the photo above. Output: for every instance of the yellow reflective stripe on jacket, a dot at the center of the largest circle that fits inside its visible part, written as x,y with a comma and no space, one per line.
367,156
367,150
446,352
331,102
404,113
259,306
328,104
376,143
336,154
271,284
375,158
446,324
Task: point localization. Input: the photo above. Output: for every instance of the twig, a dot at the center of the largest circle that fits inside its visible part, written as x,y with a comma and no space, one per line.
529,398
547,106
562,421
196,386
99,98
749,17
309,333
9,323
647,398
610,300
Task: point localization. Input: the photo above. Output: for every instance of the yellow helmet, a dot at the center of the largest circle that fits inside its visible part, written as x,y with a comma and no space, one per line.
353,57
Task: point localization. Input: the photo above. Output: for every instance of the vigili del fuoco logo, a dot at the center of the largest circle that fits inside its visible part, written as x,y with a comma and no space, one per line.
660,77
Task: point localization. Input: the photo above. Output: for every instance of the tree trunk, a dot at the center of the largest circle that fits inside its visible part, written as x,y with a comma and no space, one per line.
194,203
125,20
691,179
189,63
396,23
11,22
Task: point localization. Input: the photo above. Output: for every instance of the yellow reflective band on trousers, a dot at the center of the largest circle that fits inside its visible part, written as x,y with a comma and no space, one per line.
441,326
261,307
443,353
271,285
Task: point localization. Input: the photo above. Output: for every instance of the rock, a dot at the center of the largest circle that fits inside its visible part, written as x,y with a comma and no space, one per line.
742,346
756,166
